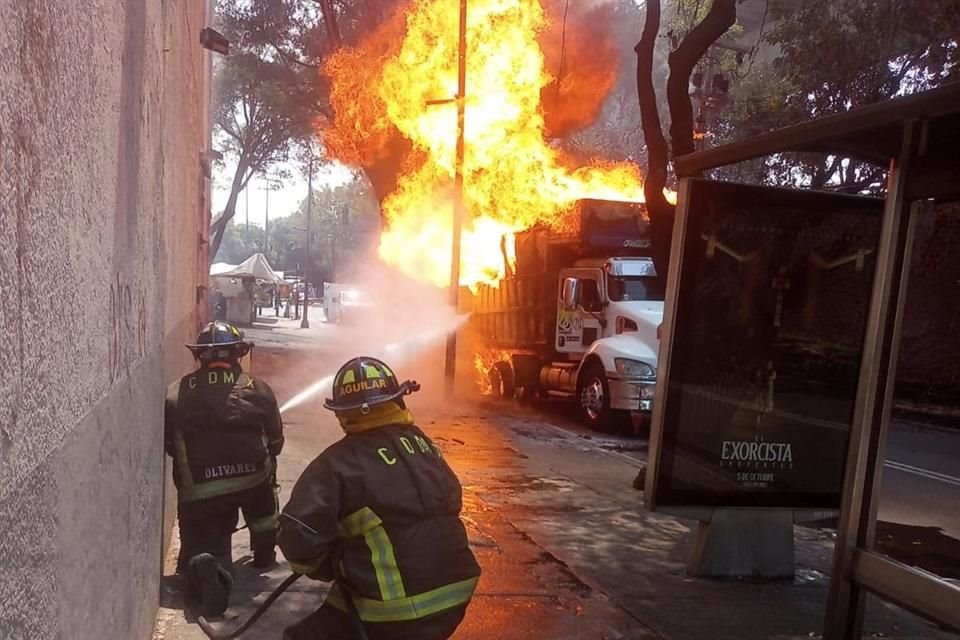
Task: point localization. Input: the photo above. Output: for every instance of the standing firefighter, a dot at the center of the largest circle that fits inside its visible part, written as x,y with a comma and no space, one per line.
378,514
223,431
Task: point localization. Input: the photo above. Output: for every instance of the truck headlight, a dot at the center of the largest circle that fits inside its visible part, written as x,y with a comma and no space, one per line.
634,368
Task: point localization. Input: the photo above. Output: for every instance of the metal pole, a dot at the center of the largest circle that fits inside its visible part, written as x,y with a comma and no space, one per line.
450,369
871,416
305,323
266,226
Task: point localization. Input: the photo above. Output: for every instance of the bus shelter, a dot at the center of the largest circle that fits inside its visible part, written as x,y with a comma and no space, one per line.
917,138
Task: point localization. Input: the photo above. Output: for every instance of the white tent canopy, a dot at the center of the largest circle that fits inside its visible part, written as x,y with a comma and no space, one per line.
256,266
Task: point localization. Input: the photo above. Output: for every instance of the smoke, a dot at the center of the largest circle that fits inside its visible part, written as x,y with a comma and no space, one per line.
581,55
397,319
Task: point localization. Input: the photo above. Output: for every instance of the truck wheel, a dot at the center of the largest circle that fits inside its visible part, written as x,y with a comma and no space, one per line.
501,379
593,400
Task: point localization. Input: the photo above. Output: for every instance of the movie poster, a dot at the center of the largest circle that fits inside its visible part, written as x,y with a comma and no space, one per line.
772,302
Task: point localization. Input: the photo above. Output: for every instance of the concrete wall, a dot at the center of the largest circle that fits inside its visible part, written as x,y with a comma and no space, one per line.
101,207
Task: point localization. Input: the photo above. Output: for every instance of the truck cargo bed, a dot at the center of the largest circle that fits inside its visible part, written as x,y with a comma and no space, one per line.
520,314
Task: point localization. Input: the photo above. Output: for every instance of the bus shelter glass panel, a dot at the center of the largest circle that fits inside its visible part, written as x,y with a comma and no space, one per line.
918,519
771,308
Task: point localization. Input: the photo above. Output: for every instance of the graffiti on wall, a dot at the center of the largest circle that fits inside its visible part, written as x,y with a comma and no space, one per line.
128,326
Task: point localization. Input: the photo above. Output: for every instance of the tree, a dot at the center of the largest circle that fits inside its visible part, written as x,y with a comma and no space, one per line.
300,36
239,243
346,219
263,104
838,56
685,54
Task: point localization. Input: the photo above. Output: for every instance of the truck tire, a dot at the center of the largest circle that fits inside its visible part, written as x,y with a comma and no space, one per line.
501,380
593,401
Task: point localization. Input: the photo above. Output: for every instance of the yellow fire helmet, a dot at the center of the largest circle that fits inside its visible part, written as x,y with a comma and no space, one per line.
365,382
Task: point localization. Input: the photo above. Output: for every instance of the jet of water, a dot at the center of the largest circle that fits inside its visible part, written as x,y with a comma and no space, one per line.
396,352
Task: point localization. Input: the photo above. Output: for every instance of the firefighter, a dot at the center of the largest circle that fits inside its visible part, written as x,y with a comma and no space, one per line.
223,430
377,513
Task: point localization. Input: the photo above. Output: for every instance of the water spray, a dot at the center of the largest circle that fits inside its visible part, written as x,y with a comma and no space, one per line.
395,352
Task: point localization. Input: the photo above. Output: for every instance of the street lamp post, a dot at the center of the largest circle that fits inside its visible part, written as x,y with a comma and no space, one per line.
305,323
450,365
271,185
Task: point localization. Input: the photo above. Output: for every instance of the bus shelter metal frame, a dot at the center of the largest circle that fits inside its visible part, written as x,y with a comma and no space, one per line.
917,138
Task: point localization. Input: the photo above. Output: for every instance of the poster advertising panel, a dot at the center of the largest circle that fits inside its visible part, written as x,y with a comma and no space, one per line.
766,317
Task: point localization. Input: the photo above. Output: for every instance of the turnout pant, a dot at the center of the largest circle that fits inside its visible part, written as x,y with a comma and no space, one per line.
330,623
206,526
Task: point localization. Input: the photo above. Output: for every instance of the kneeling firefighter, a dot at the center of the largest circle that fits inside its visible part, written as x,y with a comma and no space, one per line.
223,430
378,514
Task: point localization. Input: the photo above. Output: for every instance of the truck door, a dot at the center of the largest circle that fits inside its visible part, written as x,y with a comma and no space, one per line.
579,309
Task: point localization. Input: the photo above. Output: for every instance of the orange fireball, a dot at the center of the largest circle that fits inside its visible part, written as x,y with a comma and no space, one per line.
513,178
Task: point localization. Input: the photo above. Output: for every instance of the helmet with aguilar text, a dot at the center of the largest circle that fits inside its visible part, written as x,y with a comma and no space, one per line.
365,382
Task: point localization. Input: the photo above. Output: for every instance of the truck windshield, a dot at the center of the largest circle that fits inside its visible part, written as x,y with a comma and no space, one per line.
630,288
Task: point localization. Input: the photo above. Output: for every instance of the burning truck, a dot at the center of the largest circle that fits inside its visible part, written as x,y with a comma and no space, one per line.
574,312
577,316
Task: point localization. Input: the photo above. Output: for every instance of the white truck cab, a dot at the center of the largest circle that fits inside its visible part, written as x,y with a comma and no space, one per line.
608,315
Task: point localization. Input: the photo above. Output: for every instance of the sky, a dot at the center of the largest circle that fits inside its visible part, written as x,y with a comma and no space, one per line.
284,200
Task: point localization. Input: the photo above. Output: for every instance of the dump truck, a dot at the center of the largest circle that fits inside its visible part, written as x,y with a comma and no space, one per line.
578,316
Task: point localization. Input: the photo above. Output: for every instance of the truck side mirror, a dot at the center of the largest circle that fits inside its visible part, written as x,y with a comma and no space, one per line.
570,294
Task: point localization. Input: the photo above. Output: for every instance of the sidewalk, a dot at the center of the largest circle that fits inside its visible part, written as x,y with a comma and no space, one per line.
566,548
524,591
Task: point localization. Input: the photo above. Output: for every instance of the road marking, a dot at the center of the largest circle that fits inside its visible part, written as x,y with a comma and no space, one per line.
923,473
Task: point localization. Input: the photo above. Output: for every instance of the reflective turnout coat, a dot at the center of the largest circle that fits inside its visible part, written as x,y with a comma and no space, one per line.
223,429
378,512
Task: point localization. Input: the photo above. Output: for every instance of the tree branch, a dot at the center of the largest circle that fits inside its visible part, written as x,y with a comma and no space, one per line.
330,21
657,158
722,15
824,172
218,228
291,59
659,210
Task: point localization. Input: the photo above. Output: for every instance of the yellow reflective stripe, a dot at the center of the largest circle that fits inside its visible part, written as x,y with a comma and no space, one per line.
359,522
368,524
183,465
348,377
411,608
371,371
222,487
385,564
190,491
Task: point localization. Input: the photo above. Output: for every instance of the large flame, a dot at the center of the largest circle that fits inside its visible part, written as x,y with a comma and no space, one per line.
514,179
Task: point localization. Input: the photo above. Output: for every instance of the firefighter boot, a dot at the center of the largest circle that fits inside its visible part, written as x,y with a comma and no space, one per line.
208,586
263,559
264,544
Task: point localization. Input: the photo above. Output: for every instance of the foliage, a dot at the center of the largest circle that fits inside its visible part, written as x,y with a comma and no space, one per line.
344,224
269,92
686,51
833,57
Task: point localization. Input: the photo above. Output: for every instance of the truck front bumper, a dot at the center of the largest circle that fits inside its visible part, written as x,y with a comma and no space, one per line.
631,394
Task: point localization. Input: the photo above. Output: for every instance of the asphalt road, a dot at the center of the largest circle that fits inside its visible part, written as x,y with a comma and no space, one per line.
921,481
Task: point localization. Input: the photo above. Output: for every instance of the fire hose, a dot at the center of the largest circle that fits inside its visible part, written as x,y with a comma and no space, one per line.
213,634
